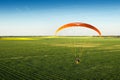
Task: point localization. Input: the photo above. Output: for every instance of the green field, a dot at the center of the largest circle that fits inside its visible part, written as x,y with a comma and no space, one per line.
53,58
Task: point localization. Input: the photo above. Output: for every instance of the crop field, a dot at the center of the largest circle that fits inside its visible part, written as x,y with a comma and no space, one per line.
53,58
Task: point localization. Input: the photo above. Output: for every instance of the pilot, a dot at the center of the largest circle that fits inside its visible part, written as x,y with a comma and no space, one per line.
77,60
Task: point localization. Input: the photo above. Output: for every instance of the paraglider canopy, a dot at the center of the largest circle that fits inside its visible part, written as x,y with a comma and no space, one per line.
78,24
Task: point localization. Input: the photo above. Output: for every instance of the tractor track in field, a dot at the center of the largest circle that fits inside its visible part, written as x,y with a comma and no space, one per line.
14,74
27,57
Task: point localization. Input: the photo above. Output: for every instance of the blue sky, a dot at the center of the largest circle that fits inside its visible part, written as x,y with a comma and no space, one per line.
43,17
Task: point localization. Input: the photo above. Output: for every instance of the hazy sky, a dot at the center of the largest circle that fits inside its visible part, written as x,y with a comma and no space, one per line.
43,17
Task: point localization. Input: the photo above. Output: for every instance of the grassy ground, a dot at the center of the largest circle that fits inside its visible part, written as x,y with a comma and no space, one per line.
50,58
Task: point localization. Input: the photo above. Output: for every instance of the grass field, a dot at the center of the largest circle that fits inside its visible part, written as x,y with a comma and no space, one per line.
50,58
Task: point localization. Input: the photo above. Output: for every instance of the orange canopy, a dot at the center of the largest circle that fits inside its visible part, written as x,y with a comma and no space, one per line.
78,24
